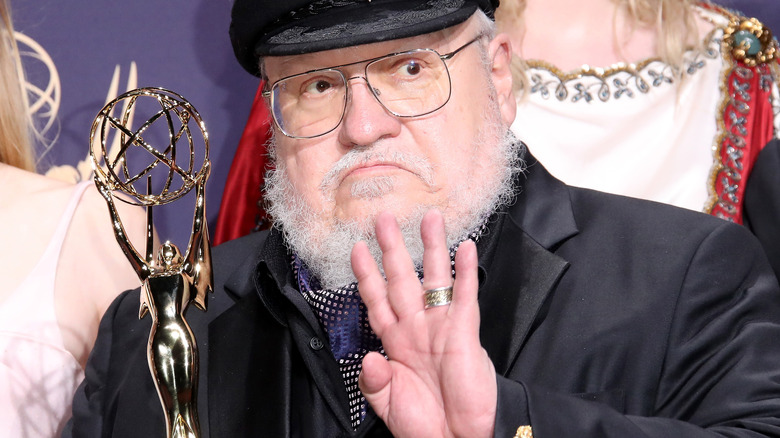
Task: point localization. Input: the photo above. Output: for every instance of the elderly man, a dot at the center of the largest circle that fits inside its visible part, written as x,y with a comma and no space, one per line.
573,313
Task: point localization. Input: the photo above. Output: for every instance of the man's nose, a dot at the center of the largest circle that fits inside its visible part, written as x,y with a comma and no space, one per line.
365,119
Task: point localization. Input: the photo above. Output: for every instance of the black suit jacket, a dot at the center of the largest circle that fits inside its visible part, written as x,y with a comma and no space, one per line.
761,205
604,316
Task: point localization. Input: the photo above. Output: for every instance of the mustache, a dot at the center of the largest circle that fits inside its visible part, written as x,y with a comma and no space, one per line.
356,156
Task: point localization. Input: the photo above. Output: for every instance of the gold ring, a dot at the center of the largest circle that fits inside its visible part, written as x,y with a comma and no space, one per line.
441,296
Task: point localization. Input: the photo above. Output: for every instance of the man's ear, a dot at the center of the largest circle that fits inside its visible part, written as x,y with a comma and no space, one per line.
500,50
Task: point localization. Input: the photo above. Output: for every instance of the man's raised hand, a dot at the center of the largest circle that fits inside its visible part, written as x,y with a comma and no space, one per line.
438,381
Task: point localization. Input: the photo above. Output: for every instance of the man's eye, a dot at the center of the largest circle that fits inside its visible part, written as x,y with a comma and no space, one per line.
318,87
410,68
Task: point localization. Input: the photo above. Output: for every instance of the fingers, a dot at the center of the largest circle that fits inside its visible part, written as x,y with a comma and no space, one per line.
400,294
372,289
436,258
464,297
403,286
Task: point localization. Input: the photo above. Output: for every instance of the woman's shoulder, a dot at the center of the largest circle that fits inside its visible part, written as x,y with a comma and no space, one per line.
23,186
91,233
92,268
31,208
92,211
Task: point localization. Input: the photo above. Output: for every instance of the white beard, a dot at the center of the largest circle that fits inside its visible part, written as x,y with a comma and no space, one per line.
325,244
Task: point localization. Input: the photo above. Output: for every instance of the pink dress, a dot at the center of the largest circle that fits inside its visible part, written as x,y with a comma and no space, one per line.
38,376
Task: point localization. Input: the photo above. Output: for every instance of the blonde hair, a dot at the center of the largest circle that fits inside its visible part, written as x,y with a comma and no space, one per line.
15,124
674,22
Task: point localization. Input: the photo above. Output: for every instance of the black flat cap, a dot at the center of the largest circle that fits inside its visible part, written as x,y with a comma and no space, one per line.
293,27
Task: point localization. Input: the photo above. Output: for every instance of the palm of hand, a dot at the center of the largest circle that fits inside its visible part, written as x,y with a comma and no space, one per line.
438,381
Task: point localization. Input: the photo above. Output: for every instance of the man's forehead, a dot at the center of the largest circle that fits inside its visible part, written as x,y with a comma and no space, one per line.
276,67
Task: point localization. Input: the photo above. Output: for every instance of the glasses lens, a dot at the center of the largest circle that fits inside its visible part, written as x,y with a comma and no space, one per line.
310,104
410,84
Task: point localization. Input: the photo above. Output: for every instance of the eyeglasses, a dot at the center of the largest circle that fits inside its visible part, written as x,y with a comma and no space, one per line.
407,84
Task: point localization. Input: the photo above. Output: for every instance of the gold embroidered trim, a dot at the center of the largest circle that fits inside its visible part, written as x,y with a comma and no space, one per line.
586,70
524,432
717,165
741,106
604,73
775,69
619,79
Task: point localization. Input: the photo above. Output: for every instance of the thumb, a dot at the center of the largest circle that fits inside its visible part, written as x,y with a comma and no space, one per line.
375,381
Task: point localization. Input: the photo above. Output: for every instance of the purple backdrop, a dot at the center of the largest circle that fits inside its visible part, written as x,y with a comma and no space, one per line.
181,45
768,11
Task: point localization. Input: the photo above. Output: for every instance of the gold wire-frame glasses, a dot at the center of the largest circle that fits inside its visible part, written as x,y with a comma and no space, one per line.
407,84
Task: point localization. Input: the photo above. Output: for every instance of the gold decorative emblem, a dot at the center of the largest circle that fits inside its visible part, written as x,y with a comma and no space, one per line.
524,432
749,41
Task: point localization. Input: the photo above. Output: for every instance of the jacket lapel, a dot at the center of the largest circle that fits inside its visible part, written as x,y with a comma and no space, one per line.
521,269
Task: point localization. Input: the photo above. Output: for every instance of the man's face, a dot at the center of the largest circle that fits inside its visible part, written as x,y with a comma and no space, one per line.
376,161
326,191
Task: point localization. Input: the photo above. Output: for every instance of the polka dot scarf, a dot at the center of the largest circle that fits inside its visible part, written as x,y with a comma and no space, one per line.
344,318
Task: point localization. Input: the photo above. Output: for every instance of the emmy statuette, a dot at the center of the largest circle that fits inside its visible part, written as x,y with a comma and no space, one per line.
172,280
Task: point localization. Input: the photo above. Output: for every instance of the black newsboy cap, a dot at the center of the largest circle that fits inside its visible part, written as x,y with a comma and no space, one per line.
293,27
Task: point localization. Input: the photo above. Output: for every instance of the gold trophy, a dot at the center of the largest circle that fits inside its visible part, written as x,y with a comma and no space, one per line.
173,280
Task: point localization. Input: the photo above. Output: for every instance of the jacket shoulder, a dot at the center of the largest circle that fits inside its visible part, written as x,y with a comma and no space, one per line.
238,250
658,233
617,210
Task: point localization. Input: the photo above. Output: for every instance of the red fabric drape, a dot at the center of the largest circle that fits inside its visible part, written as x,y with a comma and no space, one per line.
240,212
749,127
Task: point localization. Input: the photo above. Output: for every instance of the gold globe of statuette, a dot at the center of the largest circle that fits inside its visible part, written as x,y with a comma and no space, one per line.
171,116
